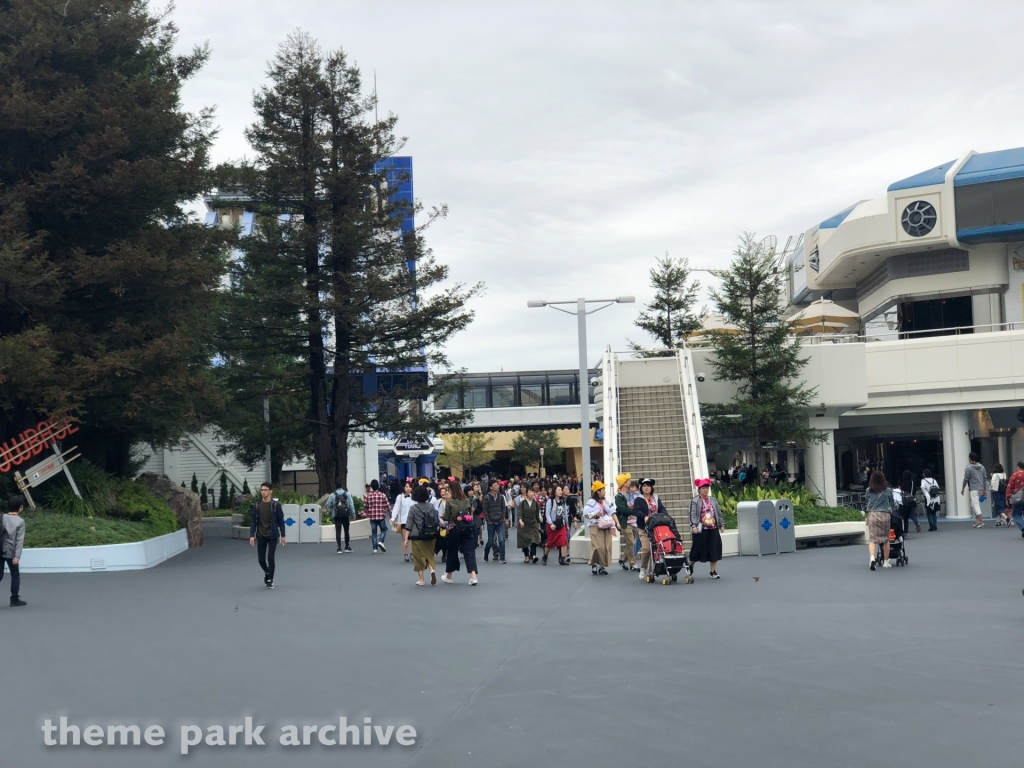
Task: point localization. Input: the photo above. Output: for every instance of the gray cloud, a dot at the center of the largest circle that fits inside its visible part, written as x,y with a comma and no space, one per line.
575,142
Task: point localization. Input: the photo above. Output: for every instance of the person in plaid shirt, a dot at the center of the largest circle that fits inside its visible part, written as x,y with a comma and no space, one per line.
1015,483
376,508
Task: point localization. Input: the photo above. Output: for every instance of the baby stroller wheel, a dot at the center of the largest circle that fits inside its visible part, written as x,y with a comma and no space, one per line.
649,579
665,581
688,580
675,577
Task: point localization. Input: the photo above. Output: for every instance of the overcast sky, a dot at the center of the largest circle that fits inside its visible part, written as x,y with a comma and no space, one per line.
576,142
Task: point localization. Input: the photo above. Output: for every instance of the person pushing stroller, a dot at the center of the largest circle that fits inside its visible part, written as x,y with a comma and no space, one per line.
667,554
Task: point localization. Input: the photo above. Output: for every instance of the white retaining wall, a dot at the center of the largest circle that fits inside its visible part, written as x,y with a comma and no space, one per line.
107,557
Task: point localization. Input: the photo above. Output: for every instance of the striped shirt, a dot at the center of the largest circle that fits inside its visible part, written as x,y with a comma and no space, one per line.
375,505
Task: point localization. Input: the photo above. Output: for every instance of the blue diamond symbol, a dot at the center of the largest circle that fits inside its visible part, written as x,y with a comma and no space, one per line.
784,522
309,521
290,522
767,525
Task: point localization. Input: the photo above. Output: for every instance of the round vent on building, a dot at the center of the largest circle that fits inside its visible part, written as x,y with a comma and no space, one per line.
919,218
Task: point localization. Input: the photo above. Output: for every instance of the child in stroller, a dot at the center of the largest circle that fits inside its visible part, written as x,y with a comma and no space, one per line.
668,557
897,542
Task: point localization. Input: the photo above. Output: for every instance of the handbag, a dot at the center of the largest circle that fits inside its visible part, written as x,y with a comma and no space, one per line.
1016,499
606,522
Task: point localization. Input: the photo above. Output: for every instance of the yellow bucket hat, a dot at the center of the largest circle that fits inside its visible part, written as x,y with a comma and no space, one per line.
597,485
621,480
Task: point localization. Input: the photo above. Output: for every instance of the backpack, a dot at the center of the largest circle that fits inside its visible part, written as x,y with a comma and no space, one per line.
333,506
430,527
933,492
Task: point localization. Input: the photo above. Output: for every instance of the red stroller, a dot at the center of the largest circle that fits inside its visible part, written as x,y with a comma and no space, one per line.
668,557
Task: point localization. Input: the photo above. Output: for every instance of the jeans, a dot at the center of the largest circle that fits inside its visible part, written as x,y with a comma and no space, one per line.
998,503
15,577
265,549
339,523
908,511
496,539
932,513
1018,515
382,525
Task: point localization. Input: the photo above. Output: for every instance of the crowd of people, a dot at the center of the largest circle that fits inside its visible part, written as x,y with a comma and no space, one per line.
443,523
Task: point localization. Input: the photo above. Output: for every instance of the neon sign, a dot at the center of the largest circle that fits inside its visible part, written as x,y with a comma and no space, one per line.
33,442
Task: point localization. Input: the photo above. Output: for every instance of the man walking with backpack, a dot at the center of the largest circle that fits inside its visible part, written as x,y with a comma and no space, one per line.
266,527
342,508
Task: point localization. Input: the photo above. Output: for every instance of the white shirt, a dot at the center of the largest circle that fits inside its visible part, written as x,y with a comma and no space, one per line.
400,512
927,483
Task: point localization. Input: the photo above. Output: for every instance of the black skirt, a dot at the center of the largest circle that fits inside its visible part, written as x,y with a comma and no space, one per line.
706,547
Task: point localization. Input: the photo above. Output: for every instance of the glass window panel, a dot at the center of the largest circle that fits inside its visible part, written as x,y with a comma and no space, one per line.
475,396
532,394
561,389
448,400
503,395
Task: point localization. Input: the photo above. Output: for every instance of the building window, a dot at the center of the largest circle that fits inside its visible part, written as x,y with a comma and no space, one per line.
531,390
503,392
936,317
561,389
475,395
448,400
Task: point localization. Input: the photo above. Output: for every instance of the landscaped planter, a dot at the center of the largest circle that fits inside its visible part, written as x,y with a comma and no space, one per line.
579,546
134,556
357,529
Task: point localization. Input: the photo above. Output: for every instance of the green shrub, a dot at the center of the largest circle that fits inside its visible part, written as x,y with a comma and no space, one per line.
136,503
97,488
45,529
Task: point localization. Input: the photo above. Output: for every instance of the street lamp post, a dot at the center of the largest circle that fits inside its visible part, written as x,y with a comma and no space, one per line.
541,462
581,315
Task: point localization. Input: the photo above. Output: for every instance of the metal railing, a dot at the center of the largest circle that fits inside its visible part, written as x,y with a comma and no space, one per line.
897,335
691,415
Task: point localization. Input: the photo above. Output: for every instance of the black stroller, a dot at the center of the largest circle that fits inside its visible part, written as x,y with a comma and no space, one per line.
897,543
668,557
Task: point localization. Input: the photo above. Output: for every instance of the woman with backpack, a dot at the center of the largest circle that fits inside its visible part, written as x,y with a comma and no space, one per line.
461,535
556,523
932,502
880,507
998,485
422,526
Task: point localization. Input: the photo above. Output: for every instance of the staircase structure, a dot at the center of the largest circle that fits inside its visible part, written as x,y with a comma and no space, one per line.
650,417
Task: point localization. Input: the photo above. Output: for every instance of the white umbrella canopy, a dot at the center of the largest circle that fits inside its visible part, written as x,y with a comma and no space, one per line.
712,322
824,313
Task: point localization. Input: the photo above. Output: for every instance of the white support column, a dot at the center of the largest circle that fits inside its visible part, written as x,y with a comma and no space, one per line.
956,444
820,464
791,465
1004,454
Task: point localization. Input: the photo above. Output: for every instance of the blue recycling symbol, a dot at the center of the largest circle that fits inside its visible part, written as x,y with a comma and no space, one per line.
784,522
767,525
309,521
290,522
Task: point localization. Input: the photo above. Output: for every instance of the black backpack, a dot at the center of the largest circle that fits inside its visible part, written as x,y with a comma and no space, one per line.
430,527
933,492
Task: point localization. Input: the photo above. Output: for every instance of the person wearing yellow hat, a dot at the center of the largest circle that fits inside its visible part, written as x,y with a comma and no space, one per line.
601,521
627,522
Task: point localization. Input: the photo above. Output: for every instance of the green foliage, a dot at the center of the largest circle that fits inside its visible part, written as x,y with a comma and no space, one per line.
136,503
47,529
224,502
245,487
322,298
526,448
195,484
762,358
805,503
670,318
203,494
466,450
97,489
109,285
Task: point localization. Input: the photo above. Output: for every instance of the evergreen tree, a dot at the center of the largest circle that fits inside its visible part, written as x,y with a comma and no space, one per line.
526,448
335,297
108,284
182,483
762,358
670,318
195,483
245,487
466,450
224,502
203,494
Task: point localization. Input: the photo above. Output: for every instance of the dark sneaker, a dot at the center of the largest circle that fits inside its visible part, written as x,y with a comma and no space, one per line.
602,572
502,561
593,568
543,560
714,575
339,551
488,551
18,603
382,548
872,562
270,585
347,549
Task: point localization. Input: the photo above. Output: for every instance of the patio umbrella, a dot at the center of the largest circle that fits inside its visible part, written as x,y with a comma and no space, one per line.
712,322
824,314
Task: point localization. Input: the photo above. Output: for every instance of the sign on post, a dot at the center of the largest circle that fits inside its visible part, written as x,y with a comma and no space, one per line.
33,442
413,446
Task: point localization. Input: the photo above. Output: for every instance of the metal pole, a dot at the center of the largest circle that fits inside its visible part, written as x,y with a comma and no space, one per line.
266,420
581,316
67,472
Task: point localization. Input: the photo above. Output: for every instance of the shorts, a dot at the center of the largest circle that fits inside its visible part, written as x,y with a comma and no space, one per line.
975,503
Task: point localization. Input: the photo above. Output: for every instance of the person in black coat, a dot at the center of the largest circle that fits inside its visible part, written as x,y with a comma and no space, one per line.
646,506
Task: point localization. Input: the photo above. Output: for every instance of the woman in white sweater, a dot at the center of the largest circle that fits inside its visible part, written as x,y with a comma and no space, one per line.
400,516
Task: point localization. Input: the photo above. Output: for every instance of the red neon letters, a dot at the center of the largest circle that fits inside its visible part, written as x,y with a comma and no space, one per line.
32,442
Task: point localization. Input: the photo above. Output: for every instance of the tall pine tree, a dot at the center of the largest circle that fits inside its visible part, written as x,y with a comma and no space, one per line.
762,358
329,286
107,286
670,318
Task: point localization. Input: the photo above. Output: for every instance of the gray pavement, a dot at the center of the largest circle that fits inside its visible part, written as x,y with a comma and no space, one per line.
817,663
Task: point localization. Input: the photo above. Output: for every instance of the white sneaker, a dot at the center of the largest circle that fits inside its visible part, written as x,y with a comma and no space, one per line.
642,575
472,581
375,551
887,564
447,579
384,549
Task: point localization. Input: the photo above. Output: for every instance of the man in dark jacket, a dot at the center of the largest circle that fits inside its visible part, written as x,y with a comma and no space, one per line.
493,507
266,526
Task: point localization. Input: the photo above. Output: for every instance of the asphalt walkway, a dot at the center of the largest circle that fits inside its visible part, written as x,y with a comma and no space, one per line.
797,660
